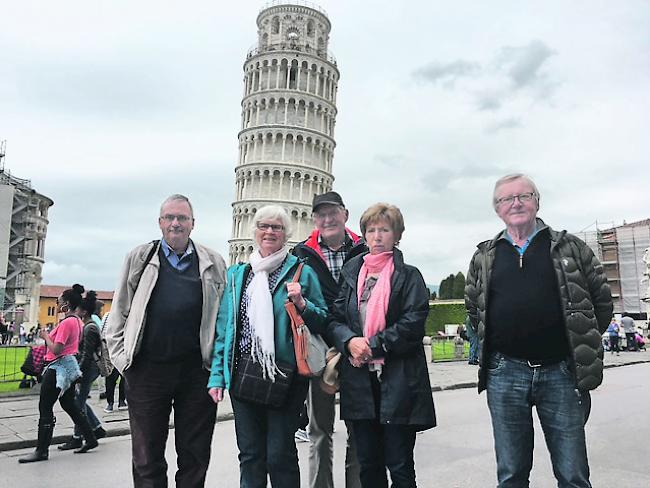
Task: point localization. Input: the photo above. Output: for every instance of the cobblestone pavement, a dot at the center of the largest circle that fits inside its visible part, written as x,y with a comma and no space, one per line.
19,414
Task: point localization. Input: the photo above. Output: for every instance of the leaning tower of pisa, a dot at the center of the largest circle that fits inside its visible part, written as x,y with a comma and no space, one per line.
286,142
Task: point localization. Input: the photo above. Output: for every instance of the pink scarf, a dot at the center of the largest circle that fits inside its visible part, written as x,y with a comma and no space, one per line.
378,303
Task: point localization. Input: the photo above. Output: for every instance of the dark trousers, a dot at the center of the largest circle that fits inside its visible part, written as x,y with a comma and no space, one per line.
631,342
381,446
265,438
111,381
49,395
153,389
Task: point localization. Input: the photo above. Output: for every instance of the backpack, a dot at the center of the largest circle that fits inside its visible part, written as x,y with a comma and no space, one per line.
102,358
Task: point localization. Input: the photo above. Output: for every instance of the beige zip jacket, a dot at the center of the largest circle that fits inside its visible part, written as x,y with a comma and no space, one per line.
125,325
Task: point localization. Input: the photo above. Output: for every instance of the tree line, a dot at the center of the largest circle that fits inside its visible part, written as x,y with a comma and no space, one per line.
453,286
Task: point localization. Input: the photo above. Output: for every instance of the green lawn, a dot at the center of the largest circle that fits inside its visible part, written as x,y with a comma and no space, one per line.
11,359
445,350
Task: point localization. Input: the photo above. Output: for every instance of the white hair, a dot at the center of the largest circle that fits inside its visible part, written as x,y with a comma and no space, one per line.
274,212
512,177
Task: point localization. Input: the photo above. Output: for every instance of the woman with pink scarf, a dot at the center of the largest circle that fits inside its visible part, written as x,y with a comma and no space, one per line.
378,325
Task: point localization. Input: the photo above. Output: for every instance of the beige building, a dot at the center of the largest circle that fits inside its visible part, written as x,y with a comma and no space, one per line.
286,142
23,228
49,295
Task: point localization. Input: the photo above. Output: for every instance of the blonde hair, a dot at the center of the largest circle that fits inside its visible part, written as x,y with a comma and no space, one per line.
383,211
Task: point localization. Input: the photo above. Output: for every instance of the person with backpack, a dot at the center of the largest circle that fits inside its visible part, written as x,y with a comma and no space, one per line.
160,335
89,352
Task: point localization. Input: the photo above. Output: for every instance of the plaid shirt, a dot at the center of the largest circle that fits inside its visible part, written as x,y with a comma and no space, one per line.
335,259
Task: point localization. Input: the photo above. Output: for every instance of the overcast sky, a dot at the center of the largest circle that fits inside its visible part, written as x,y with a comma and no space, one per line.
110,106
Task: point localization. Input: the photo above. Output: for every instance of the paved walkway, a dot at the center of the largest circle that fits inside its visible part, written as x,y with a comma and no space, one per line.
19,414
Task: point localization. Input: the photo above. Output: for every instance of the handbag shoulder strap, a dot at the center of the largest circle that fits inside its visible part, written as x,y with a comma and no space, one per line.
294,316
296,276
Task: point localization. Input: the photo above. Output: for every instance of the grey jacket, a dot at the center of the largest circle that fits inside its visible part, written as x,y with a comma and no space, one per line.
628,325
125,326
584,294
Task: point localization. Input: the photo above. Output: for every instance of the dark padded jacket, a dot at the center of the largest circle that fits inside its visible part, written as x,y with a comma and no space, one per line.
89,346
584,293
405,388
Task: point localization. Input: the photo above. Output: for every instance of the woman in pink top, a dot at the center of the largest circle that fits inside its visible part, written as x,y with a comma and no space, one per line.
59,376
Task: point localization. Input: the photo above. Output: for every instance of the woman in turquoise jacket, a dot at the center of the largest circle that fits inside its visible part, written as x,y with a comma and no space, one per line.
254,327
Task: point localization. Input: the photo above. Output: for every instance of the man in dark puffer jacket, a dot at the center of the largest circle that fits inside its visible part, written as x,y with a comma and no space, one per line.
539,301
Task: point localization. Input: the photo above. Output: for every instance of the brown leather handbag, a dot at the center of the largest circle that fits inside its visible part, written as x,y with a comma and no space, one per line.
310,348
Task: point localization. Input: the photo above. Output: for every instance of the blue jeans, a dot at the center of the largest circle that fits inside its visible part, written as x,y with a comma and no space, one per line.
265,440
83,388
473,347
513,387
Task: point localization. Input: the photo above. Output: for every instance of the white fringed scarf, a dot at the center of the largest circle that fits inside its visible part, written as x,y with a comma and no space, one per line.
260,310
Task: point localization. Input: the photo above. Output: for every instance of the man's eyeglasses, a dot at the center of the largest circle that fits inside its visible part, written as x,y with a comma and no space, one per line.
324,214
274,227
170,218
523,198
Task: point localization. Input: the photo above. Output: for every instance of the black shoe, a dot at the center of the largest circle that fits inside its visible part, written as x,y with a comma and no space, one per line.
99,432
102,395
87,446
90,441
73,443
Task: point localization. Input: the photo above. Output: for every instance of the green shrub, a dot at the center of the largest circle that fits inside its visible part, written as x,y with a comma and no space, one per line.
444,313
11,358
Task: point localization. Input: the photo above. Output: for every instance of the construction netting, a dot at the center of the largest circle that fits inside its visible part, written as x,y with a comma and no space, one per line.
632,243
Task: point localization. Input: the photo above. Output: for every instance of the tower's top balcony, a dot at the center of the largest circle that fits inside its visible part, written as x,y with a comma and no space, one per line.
300,26
295,3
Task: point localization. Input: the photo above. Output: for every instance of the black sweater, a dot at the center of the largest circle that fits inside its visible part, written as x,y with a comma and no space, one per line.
524,316
174,314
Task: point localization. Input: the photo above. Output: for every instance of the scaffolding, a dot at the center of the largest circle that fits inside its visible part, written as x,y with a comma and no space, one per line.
23,225
620,249
633,240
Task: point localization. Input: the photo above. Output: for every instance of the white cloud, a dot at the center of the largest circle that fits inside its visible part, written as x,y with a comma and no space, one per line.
108,108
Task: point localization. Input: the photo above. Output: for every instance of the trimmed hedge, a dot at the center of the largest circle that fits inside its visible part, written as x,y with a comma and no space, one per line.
444,313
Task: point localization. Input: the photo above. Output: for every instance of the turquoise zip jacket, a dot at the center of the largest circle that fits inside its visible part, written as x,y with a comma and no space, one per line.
315,316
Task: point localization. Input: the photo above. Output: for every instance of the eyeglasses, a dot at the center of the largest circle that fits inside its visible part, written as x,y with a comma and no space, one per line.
274,227
181,218
322,215
523,198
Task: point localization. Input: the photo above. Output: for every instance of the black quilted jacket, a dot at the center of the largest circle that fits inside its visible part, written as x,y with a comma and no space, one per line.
585,295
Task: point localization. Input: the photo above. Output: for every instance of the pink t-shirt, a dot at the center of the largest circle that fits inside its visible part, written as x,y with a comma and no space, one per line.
67,333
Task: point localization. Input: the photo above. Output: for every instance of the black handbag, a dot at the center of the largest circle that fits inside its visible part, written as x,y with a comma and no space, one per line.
249,384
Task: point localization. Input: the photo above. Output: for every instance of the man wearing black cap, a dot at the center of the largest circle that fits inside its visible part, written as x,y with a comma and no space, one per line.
328,247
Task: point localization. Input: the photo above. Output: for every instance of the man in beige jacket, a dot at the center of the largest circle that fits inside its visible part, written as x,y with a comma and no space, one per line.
160,335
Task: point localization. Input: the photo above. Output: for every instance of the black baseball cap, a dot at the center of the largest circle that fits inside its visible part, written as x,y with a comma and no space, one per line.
329,198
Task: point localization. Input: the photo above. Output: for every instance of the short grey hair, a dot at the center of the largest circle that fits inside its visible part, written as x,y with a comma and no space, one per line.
273,212
512,177
177,197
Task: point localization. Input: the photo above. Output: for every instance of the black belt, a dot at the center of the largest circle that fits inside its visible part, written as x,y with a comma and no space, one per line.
536,363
